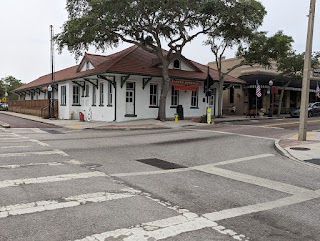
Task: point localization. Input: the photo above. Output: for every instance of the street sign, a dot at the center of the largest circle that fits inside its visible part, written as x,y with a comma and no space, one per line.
4,99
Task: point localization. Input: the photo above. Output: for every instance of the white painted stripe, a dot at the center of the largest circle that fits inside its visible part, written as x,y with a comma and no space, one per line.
31,165
13,138
40,206
162,229
235,134
241,159
54,152
9,147
259,207
59,178
149,172
40,143
189,169
262,182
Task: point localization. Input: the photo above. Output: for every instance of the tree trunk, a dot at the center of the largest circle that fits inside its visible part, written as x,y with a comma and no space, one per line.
164,92
281,96
220,97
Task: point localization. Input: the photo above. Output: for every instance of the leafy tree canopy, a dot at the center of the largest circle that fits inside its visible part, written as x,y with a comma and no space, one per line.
8,84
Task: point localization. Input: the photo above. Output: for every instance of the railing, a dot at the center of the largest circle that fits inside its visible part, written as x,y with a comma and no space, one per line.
33,107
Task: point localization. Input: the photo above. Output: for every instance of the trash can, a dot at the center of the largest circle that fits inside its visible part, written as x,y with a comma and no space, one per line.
180,112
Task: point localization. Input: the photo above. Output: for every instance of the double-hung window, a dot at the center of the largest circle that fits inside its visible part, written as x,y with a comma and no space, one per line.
63,95
194,98
110,94
76,95
101,94
174,96
153,95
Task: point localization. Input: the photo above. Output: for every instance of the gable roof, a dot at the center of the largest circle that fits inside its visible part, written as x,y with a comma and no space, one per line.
131,61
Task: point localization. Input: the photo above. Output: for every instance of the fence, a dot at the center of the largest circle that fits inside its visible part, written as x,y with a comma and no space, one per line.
33,107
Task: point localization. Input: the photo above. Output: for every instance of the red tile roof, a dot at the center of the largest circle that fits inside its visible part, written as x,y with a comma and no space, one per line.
132,61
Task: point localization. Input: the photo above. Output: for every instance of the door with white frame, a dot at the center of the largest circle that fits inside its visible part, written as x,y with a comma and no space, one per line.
130,98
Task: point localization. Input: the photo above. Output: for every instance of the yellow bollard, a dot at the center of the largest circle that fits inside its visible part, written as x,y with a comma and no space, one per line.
176,118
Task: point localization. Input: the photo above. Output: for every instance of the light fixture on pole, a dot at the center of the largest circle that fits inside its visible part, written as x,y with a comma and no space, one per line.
270,100
306,76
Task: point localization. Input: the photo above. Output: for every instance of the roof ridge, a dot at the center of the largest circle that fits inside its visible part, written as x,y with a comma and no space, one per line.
134,47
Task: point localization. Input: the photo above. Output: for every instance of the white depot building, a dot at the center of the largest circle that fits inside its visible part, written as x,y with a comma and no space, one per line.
126,86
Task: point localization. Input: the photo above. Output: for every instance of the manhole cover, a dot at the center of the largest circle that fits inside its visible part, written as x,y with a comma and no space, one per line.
161,164
314,161
299,148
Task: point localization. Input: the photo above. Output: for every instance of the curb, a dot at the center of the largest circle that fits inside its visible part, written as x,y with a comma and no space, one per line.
285,153
4,125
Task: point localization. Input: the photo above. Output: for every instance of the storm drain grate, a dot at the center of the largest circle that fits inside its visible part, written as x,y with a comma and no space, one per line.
314,161
299,148
160,164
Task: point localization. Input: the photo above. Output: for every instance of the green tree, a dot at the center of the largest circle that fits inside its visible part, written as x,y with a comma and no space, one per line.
7,85
253,47
291,68
153,25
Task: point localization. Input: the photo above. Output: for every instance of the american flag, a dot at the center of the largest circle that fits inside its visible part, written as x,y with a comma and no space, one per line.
318,91
258,90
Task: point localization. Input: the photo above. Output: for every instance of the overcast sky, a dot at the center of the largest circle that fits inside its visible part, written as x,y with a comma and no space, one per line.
25,35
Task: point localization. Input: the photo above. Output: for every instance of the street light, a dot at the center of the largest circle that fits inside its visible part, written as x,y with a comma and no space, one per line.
270,92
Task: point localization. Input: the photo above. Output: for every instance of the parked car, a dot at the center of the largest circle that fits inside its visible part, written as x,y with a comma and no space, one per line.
313,110
4,106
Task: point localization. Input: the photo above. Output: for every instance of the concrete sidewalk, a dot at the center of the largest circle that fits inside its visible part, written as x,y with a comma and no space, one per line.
306,151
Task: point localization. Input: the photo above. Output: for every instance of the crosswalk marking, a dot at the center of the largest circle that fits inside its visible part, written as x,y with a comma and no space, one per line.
14,166
9,147
54,152
262,182
129,174
48,205
57,178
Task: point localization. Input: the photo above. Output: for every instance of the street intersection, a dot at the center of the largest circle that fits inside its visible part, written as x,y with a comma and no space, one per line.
196,183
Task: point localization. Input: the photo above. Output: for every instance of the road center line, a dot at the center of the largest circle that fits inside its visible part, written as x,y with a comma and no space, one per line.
258,181
235,134
58,178
48,205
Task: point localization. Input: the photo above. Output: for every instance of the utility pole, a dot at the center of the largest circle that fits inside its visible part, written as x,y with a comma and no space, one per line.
51,107
306,76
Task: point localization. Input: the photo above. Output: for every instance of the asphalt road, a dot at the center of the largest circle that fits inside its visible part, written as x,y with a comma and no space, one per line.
223,182
16,122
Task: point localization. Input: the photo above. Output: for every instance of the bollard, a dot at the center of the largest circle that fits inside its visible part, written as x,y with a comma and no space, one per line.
176,117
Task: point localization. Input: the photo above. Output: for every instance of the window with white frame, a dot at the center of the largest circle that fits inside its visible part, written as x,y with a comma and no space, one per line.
194,98
94,95
153,95
101,94
174,96
76,95
63,95
177,64
110,94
